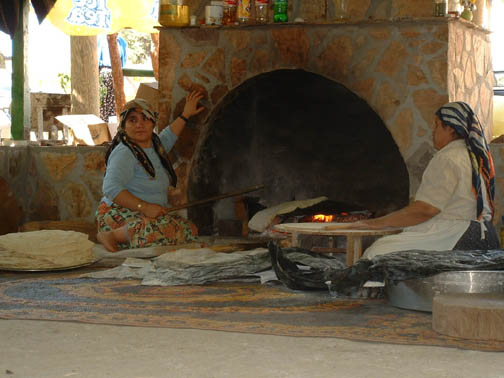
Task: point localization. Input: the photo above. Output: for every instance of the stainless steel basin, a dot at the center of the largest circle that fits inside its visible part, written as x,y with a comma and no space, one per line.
417,294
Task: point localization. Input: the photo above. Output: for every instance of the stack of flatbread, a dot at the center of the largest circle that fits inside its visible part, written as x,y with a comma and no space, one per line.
46,249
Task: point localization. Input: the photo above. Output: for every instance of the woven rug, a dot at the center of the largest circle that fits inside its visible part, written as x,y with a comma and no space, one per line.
249,308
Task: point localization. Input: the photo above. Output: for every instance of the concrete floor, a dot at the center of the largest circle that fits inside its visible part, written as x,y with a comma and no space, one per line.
59,349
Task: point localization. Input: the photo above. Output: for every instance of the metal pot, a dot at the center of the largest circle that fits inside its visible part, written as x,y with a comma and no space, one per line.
417,294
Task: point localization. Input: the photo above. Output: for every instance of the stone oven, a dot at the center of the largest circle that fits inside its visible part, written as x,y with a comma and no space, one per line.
340,110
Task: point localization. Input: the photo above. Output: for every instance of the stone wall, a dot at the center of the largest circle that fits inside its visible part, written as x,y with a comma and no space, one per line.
403,69
49,183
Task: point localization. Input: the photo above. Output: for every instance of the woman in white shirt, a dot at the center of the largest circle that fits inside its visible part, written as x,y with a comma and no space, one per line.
453,208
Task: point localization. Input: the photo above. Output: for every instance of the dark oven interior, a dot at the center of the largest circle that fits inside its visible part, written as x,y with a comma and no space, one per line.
302,136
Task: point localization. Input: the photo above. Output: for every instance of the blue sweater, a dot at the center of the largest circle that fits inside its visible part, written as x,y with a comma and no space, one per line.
124,172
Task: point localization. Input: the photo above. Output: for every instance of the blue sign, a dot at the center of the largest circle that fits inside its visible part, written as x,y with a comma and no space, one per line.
155,10
92,13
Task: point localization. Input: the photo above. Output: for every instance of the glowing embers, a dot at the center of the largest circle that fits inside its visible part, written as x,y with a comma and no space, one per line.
322,218
341,217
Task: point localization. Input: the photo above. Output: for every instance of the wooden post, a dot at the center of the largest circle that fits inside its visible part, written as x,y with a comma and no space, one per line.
117,74
85,83
20,92
155,54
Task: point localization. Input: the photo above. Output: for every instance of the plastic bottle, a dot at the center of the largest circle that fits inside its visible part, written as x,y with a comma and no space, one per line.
243,12
261,11
280,11
229,14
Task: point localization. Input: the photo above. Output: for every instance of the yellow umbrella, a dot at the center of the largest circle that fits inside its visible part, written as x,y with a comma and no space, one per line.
92,17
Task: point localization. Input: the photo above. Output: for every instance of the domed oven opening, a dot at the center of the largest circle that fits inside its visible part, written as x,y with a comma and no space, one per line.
301,136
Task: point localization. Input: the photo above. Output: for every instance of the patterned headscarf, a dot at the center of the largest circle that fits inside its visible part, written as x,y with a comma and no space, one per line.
462,119
146,109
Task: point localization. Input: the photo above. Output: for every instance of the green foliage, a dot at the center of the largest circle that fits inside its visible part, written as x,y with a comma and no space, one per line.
103,90
64,81
139,45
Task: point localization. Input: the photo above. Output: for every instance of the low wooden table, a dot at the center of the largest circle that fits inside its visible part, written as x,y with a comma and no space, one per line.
354,237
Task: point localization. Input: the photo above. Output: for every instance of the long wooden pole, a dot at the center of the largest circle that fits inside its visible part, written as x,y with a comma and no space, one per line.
211,199
117,74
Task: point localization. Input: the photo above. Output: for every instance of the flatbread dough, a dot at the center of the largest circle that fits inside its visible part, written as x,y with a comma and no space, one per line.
46,249
262,220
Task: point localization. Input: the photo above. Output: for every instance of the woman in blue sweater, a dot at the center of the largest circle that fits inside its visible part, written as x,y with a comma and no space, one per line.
133,210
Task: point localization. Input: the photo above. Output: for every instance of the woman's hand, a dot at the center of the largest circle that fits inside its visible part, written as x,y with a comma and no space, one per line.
191,106
153,210
411,215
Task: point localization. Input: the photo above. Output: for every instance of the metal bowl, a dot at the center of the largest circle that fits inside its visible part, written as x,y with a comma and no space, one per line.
417,294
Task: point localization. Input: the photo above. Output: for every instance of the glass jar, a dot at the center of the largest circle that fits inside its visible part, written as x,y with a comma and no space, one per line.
261,11
229,12
243,12
173,13
340,10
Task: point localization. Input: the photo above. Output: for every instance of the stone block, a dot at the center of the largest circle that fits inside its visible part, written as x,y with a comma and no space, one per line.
58,165
10,206
214,66
76,200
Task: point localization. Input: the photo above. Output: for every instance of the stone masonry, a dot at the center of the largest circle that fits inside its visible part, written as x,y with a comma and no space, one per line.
403,69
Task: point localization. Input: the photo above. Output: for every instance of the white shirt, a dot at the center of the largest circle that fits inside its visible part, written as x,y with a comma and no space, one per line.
446,185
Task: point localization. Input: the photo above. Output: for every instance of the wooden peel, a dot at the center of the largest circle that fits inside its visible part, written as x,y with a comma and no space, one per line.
215,198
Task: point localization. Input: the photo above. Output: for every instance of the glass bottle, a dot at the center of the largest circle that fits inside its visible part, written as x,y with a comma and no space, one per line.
440,8
280,11
244,11
340,10
229,12
261,11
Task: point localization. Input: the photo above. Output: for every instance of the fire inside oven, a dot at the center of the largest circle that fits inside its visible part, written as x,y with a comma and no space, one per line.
342,217
327,211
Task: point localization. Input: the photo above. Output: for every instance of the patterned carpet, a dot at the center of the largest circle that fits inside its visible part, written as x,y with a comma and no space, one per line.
249,308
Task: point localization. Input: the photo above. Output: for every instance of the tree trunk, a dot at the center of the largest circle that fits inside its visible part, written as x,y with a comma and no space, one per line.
155,54
85,86
117,74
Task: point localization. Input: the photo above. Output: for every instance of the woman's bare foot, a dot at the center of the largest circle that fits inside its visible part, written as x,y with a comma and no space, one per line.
108,240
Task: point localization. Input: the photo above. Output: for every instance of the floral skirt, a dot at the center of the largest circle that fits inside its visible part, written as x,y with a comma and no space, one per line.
146,232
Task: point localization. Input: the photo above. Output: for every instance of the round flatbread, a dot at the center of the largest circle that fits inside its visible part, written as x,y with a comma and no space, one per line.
46,249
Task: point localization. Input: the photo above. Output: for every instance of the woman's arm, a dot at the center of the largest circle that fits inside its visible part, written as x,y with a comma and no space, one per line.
120,171
411,215
128,200
190,109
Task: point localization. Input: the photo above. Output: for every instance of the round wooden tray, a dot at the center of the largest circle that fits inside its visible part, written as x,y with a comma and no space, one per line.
318,228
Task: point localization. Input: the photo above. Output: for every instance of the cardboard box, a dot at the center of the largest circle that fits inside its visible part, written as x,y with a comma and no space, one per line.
149,92
86,129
